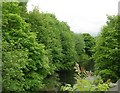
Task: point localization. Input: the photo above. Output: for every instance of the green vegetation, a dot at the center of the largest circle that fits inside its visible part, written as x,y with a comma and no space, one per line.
39,51
107,50
85,81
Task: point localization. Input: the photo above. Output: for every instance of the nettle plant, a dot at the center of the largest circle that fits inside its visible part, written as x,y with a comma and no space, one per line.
86,81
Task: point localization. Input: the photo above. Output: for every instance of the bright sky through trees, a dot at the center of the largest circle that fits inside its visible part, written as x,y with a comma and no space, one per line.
81,15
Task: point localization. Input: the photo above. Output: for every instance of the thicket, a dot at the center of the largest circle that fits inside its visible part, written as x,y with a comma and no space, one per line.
107,50
86,81
38,50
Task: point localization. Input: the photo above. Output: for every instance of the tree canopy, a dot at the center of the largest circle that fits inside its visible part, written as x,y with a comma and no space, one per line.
107,50
39,51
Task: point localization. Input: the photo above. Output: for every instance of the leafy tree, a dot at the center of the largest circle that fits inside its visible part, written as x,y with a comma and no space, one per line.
25,61
69,54
107,50
68,46
57,38
79,46
44,24
82,57
89,41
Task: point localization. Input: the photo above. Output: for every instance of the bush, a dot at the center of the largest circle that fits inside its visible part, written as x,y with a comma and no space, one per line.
107,74
86,82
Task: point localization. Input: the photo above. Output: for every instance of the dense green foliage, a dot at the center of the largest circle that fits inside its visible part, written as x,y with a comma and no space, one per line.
107,50
25,61
39,51
36,46
79,47
85,81
86,84
57,38
89,41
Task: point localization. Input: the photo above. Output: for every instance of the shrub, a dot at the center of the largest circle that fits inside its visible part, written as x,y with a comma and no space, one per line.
85,82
